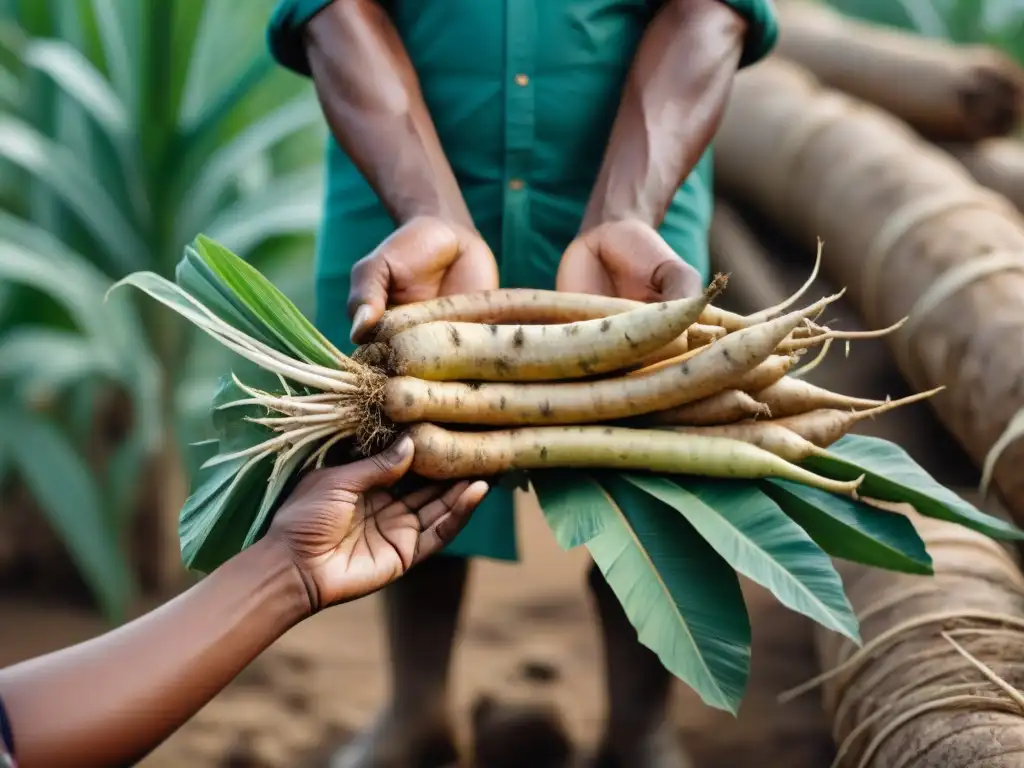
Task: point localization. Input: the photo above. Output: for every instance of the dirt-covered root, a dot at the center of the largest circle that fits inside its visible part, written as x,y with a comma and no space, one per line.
771,437
823,426
937,681
505,306
443,455
725,407
709,371
789,396
459,351
766,373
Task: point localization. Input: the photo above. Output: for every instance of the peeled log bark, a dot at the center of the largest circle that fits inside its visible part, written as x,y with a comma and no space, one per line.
945,91
963,718
997,164
896,215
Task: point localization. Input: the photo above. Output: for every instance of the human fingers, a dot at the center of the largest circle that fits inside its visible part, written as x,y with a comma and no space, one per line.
449,515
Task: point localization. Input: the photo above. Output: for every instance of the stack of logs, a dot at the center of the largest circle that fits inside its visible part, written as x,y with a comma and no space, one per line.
896,151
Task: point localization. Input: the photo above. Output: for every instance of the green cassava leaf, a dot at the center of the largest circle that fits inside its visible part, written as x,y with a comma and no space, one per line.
216,519
850,530
178,299
170,295
66,492
285,477
234,432
754,536
277,313
218,514
199,453
891,475
234,499
195,276
683,599
574,505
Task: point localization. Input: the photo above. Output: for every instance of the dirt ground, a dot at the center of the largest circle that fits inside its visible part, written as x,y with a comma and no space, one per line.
523,623
327,676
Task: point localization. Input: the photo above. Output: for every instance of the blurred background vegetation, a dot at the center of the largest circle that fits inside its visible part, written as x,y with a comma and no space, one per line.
126,128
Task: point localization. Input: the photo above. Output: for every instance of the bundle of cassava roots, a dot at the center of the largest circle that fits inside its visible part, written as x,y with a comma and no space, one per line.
521,379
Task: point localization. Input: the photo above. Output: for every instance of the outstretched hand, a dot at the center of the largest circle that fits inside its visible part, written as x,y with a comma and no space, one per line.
627,259
349,535
423,259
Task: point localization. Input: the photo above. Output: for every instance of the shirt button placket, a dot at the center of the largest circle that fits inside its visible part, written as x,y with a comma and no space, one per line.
520,39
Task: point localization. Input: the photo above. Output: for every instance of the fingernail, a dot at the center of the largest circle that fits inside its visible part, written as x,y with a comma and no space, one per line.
361,318
401,448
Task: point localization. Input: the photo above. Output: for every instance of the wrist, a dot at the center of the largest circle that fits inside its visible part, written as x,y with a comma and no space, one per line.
274,572
453,214
603,218
609,206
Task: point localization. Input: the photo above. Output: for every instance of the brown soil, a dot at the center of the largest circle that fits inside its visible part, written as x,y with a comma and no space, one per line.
529,636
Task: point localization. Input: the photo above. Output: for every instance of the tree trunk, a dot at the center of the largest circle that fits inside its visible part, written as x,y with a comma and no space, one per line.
34,561
155,552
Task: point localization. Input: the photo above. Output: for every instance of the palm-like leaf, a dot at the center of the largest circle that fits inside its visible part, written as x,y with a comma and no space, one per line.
130,126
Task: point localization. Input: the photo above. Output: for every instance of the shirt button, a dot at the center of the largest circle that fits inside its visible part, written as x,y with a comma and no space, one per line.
522,80
516,184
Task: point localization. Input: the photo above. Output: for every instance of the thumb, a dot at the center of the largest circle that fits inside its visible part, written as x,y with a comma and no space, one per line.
368,296
675,279
380,470
581,271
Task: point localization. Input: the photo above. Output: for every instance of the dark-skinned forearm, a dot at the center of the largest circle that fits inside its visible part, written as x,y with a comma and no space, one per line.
670,110
111,700
371,98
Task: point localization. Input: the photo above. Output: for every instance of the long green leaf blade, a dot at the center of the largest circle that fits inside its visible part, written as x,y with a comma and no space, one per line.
51,358
274,211
852,531
176,298
683,599
891,475
753,535
216,517
55,165
574,505
119,28
80,80
195,276
64,488
228,162
273,308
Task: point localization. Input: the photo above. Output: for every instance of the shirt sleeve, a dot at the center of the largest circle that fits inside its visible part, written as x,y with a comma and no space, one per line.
285,30
762,28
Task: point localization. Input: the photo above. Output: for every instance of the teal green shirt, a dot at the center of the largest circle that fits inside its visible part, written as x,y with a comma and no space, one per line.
523,94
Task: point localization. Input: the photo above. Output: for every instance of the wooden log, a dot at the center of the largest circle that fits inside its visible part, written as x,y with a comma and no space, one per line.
907,230
949,92
935,683
997,163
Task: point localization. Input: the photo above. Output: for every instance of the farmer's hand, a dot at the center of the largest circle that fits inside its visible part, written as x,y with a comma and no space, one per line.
627,259
348,536
423,259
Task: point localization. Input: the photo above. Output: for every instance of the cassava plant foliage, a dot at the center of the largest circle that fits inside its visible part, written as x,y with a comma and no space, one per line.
126,127
632,432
